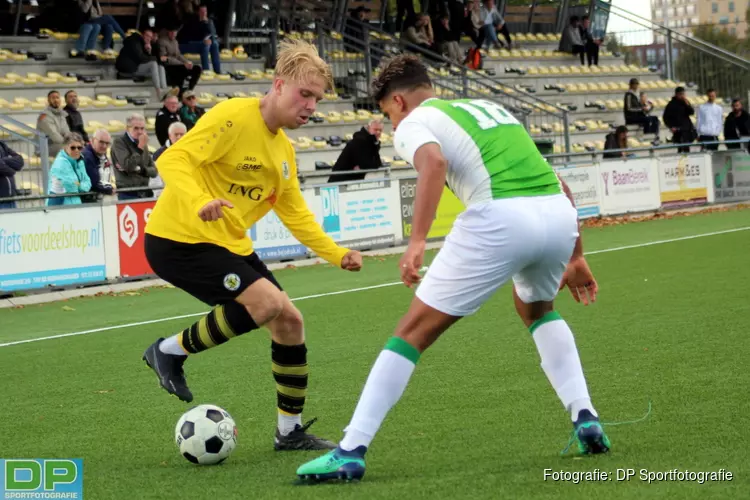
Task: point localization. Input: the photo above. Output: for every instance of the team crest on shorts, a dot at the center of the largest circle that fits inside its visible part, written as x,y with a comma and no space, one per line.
232,282
285,169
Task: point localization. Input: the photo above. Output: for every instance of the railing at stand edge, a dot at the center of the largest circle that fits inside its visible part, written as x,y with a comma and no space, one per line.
681,56
32,146
355,60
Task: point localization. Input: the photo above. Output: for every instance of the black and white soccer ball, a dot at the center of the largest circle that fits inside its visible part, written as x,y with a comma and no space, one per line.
206,434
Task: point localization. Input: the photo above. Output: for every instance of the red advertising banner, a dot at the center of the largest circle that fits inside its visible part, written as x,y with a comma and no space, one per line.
131,226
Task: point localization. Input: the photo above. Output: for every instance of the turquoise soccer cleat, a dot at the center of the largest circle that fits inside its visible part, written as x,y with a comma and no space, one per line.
590,435
336,464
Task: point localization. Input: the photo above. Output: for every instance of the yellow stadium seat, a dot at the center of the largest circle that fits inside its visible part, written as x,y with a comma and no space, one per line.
333,117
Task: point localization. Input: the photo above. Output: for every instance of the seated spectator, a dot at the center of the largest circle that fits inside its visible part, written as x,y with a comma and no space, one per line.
571,40
494,24
353,29
10,163
473,23
190,112
176,131
418,31
133,163
447,41
98,166
139,57
710,116
590,42
167,115
737,125
93,20
677,118
361,153
198,36
616,140
53,123
68,172
636,113
181,73
74,118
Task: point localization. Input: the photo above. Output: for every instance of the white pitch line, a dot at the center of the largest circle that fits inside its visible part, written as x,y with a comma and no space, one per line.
351,290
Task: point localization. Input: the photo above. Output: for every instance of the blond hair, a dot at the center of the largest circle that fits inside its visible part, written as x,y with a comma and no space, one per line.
298,59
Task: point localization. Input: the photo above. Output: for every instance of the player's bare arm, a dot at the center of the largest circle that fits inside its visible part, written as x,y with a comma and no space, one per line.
432,167
578,276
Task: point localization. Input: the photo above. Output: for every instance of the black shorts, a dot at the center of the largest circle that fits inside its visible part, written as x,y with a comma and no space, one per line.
210,273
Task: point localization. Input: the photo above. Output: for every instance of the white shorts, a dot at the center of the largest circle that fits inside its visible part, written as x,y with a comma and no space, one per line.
528,239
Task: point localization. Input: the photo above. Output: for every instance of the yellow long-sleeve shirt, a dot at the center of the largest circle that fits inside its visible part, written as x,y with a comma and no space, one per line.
231,154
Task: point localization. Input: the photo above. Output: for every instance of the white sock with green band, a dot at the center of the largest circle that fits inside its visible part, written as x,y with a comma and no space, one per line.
386,383
561,363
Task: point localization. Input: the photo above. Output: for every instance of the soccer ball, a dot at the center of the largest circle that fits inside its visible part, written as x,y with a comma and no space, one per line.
206,435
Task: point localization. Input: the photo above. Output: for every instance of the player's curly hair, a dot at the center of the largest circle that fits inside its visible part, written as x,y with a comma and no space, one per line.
298,59
401,72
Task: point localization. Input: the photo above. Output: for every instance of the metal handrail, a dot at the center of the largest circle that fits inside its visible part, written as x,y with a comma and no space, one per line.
694,42
651,149
471,75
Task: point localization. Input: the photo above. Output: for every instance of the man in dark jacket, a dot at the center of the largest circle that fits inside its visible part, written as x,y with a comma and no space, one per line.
166,116
139,57
10,163
737,125
361,153
133,164
677,118
98,166
74,118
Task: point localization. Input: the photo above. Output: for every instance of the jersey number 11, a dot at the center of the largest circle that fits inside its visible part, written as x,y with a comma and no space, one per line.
487,114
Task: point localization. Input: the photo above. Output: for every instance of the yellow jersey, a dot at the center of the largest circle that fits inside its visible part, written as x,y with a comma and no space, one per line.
231,154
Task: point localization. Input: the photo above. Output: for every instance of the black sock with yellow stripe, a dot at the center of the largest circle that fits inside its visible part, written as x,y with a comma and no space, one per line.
290,372
218,326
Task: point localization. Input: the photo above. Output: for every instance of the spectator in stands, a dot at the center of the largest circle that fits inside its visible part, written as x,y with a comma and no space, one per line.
10,163
198,36
677,118
646,105
74,118
190,112
361,153
737,125
418,31
68,172
98,166
473,23
710,118
404,11
139,57
181,73
53,123
590,43
636,113
616,140
494,24
133,163
176,131
167,115
447,41
571,40
93,20
354,30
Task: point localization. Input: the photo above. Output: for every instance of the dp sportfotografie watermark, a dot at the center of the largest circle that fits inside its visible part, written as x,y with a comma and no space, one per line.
643,475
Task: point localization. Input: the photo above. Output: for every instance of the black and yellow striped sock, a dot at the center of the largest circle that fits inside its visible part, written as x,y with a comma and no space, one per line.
290,371
218,326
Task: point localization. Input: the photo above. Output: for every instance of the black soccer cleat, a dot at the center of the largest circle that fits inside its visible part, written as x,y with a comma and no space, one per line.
590,435
168,368
300,440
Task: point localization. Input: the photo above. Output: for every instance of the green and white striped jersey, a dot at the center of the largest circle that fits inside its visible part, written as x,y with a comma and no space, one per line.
490,155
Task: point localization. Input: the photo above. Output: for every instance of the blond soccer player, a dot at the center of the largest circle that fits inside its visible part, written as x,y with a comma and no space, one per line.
235,166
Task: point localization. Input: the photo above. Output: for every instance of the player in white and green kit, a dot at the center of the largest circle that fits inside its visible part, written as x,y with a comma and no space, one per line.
520,223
